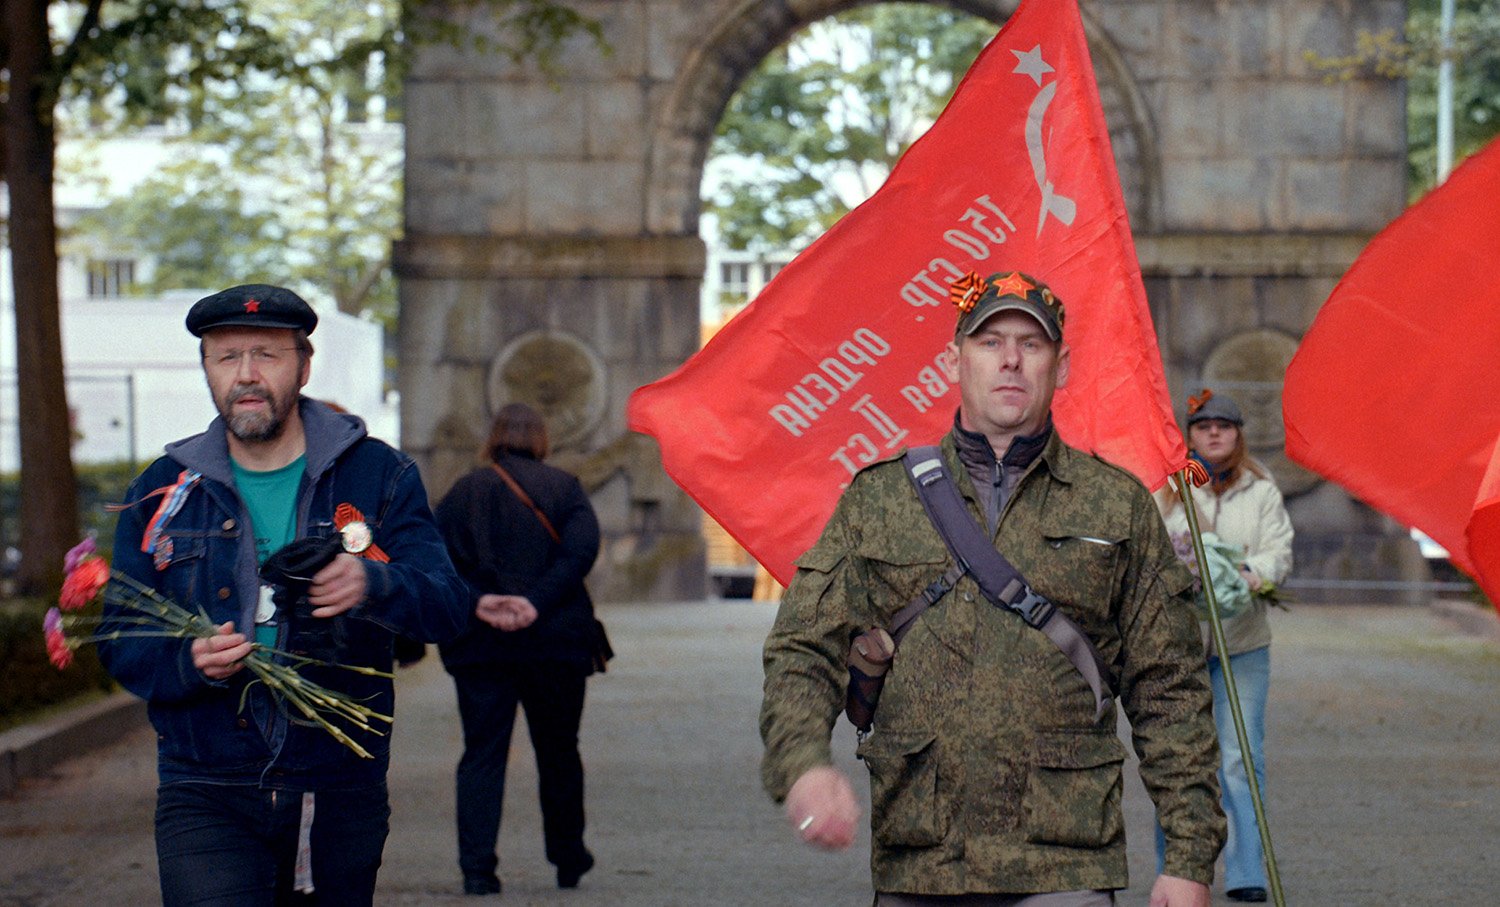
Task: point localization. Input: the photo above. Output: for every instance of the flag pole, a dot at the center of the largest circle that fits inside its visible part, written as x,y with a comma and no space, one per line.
1185,492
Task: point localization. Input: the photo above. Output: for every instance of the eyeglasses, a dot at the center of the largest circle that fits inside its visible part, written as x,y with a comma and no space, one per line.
260,357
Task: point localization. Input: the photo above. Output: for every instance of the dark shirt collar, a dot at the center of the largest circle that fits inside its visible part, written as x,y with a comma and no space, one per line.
975,447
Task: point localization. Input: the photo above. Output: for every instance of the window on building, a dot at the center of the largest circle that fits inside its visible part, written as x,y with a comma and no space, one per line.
734,282
110,277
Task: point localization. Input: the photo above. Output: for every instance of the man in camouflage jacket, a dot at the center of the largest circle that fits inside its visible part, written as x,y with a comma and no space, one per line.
989,773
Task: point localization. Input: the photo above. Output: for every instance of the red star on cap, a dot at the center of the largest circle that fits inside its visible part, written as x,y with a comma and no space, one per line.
252,305
1013,284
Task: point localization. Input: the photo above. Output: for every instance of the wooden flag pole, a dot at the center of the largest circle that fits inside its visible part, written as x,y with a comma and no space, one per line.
1185,491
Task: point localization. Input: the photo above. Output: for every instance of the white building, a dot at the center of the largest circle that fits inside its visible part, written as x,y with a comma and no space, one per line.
732,279
133,378
134,382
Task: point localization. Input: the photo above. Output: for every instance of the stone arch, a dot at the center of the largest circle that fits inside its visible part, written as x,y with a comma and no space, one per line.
684,126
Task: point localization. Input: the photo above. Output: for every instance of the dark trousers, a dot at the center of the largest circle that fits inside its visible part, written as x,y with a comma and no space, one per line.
233,845
552,696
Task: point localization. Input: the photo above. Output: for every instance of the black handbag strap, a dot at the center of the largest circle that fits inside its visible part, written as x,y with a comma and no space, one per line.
998,579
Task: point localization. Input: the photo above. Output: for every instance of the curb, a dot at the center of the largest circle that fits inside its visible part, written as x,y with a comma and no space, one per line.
1476,620
33,749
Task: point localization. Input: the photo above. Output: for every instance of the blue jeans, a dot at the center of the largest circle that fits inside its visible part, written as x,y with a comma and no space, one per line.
1244,860
229,845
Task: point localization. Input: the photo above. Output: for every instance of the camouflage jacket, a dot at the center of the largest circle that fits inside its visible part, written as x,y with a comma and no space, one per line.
987,770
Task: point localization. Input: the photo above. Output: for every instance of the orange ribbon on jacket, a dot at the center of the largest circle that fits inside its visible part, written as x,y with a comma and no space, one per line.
344,515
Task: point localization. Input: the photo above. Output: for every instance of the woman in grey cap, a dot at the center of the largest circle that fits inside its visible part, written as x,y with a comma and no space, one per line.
1243,507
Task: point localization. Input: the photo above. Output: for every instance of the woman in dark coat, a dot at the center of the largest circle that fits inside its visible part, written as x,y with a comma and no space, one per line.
530,640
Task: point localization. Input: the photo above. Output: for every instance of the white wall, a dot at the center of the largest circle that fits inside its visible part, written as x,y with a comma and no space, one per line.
135,383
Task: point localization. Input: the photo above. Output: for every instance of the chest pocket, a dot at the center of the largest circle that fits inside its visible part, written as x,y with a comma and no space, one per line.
182,557
902,566
1079,566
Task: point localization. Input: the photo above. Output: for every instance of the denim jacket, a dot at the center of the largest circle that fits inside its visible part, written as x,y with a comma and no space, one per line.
233,731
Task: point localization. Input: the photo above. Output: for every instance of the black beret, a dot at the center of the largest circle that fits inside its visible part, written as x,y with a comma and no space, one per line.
255,305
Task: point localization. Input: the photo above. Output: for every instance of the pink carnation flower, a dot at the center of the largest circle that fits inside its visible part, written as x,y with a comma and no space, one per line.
77,553
58,650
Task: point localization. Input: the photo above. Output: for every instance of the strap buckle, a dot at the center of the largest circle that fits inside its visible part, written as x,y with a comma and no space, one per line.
1034,609
941,586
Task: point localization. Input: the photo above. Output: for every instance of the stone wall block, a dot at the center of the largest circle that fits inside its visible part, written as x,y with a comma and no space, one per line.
1251,35
1194,40
1291,303
533,121
1343,195
1374,126
583,196
675,29
674,205
465,197
1205,310
616,121
1377,191
432,107
1330,28
1136,29
1235,194
482,55
1192,116
1279,119
422,338
626,37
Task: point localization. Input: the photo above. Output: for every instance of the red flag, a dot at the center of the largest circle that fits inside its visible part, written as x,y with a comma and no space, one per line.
1395,390
834,365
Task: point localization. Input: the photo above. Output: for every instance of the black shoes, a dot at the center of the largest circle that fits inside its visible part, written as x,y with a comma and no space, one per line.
568,874
1253,895
485,884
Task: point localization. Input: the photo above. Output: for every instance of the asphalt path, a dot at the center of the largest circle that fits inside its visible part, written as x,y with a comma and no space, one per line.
1383,787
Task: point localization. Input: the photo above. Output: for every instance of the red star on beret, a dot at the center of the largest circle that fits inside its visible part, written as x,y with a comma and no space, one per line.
252,305
1013,284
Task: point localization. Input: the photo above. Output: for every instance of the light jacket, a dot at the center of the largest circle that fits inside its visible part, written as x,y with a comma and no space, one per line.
1251,516
988,772
205,558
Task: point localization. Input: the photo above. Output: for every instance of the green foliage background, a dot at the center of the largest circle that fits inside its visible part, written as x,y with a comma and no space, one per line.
819,124
28,681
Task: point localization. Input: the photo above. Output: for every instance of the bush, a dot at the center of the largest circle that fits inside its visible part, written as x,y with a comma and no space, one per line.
28,681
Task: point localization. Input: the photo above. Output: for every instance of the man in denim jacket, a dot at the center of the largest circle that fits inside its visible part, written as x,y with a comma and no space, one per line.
255,803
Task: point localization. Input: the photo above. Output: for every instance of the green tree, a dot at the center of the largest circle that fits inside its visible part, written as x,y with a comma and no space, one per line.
200,230
155,59
1415,56
1476,84
818,126
311,187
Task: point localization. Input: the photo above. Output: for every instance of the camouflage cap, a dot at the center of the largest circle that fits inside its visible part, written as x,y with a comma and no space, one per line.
980,298
1207,405
251,305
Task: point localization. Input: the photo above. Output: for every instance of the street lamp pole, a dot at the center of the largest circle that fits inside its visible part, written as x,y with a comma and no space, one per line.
1445,94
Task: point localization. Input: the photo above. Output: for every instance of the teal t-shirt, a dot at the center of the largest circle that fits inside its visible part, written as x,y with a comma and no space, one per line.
271,498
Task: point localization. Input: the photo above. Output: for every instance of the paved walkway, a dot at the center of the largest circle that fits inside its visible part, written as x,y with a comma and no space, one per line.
1384,786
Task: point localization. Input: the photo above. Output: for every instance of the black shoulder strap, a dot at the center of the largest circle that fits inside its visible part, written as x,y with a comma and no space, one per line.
998,579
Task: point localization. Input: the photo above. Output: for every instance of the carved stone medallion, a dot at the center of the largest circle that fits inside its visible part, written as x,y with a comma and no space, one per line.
1249,367
559,376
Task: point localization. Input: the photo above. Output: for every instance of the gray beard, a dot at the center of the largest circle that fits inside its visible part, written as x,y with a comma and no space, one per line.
256,428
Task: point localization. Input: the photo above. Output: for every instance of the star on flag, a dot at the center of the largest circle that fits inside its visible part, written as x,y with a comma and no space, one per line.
1030,63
